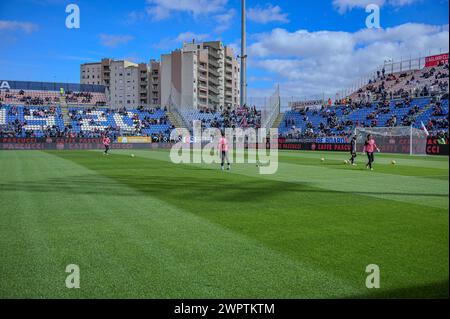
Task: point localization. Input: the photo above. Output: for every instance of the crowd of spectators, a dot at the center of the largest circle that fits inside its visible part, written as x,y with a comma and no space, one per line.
439,119
419,83
243,117
141,122
18,128
75,97
27,99
51,97
342,126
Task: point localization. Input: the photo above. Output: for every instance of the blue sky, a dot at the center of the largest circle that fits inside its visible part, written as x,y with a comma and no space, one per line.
307,47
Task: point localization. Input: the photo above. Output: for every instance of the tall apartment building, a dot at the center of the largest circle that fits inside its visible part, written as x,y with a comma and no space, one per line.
154,83
91,73
200,75
127,83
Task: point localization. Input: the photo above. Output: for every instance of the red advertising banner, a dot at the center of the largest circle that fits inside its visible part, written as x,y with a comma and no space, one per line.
434,60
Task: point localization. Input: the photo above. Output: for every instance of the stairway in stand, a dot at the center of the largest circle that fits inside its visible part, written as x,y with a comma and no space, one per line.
422,110
175,120
278,120
64,110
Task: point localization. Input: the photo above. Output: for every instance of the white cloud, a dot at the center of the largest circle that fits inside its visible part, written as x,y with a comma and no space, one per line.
171,43
134,16
210,11
112,41
26,27
309,63
267,14
347,5
224,20
301,42
161,9
408,32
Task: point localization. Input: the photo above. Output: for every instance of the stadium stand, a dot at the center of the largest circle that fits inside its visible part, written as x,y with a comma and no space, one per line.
239,117
388,100
424,82
435,117
340,120
33,97
141,122
47,121
337,120
33,121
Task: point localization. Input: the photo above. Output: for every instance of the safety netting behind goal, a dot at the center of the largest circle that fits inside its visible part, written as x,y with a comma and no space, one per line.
403,140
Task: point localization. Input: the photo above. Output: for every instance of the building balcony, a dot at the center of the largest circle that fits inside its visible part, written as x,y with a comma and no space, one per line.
214,64
213,90
214,54
214,73
213,100
202,86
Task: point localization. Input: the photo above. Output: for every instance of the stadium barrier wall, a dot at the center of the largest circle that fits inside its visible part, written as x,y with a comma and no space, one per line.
70,144
311,146
398,145
434,146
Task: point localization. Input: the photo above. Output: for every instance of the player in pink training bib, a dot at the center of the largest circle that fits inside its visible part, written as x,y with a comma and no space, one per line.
223,149
369,147
106,143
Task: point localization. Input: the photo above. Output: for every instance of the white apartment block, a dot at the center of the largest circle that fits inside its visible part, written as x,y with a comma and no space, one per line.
128,84
91,73
154,85
124,84
200,75
178,79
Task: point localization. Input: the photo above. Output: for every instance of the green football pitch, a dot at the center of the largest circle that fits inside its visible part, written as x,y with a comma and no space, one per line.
143,227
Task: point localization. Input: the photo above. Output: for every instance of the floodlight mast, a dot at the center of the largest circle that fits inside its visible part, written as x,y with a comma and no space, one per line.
243,58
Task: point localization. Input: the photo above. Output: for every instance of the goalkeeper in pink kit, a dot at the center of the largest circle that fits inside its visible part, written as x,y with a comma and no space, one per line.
223,149
106,143
369,148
